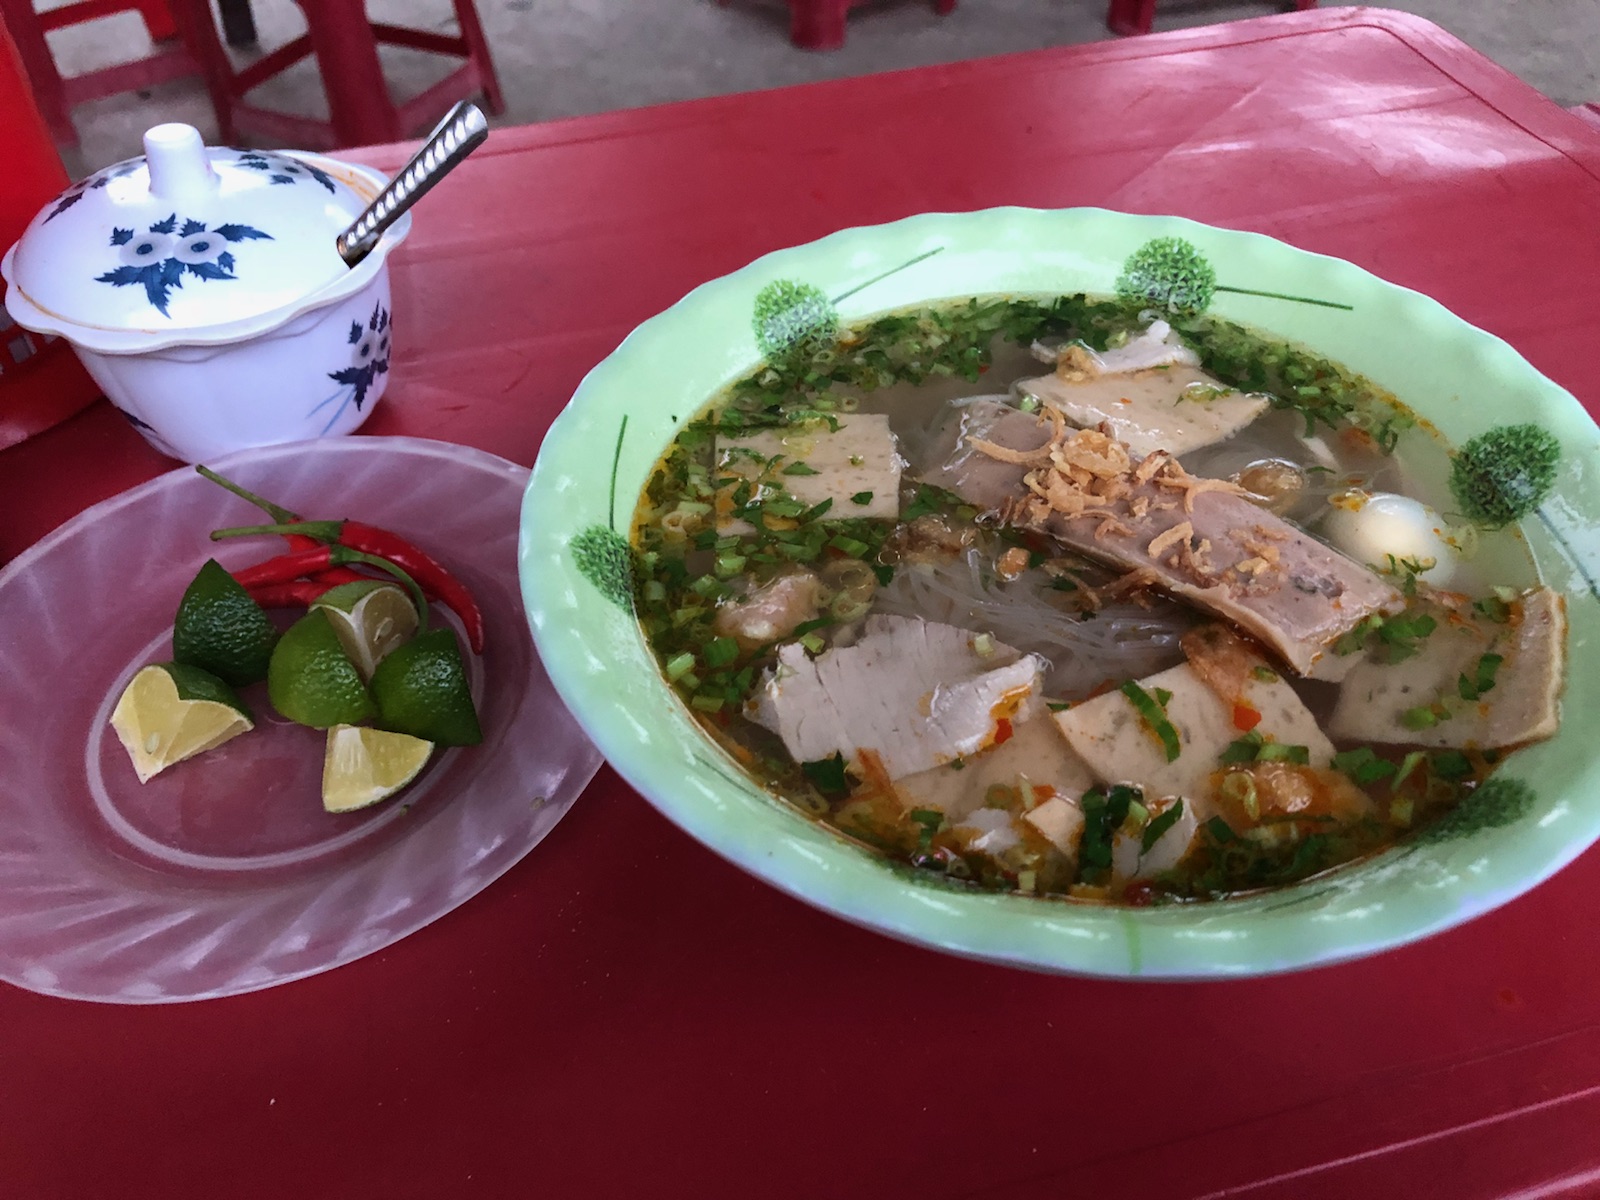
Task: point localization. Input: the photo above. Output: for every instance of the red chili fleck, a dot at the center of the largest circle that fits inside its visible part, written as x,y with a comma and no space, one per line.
1002,731
1245,718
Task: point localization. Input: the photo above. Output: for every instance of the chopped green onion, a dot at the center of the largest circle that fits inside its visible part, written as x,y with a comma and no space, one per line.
1162,823
849,545
813,643
1407,765
707,703
721,651
1264,674
1363,766
1493,608
1138,814
861,498
983,645
1279,752
1401,810
1242,750
1421,717
1154,717
1482,679
827,775
1221,832
1451,765
679,666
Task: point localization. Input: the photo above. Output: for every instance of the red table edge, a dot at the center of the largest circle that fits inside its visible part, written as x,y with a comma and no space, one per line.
1519,102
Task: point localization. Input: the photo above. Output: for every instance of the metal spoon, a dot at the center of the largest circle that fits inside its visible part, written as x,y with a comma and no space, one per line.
461,132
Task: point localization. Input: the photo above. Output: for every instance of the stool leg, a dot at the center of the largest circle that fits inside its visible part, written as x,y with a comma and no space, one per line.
158,20
1130,17
199,34
478,52
238,22
818,24
22,23
352,77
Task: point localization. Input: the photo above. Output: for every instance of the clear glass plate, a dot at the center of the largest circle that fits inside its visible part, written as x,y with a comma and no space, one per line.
223,874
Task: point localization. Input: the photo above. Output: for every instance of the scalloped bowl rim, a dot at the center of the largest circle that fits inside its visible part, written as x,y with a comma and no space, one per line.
102,339
646,734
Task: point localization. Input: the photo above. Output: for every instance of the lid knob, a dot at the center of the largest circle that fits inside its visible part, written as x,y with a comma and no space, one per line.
180,170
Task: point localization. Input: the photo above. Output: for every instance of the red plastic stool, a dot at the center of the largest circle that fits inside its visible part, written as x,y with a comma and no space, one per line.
1134,16
56,95
819,24
346,44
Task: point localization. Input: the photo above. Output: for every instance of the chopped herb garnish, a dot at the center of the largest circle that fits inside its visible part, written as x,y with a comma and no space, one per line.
1482,679
1221,832
1058,705
1162,823
1424,716
1242,750
800,468
1279,752
1264,674
1152,712
1407,765
721,651
1494,609
1363,766
861,498
827,775
931,820
1451,765
1103,814
1397,637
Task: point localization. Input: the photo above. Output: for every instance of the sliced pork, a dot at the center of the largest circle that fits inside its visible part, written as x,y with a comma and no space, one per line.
1199,539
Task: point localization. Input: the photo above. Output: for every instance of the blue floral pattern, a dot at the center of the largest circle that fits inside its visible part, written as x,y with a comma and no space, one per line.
369,359
281,169
98,180
161,258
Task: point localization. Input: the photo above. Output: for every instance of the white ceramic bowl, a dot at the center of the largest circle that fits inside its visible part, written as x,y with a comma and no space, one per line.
202,291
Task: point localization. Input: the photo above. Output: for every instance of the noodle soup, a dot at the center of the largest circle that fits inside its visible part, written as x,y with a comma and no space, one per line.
1077,599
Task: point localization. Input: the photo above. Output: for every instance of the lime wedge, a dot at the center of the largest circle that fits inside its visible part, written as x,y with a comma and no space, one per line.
371,619
311,681
220,629
363,766
421,689
172,711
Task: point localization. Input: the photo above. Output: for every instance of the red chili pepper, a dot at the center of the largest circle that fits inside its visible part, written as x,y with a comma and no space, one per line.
377,543
369,539
288,569
296,594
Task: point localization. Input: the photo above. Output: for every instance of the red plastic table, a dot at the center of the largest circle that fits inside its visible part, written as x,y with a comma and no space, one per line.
626,1015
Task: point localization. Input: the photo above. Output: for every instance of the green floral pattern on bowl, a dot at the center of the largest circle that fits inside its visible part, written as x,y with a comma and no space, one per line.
1460,379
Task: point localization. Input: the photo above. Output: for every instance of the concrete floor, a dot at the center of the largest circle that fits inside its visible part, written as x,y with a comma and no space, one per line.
565,57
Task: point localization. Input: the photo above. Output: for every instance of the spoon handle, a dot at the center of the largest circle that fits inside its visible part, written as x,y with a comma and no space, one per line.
461,132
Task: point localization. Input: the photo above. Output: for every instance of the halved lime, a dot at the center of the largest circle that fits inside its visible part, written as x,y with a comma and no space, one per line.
172,711
220,629
363,766
371,619
311,681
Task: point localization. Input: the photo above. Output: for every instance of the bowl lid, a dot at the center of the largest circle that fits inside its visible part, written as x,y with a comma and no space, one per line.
187,238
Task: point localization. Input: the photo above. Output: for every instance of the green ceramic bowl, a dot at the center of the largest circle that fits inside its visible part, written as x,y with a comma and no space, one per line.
1457,377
